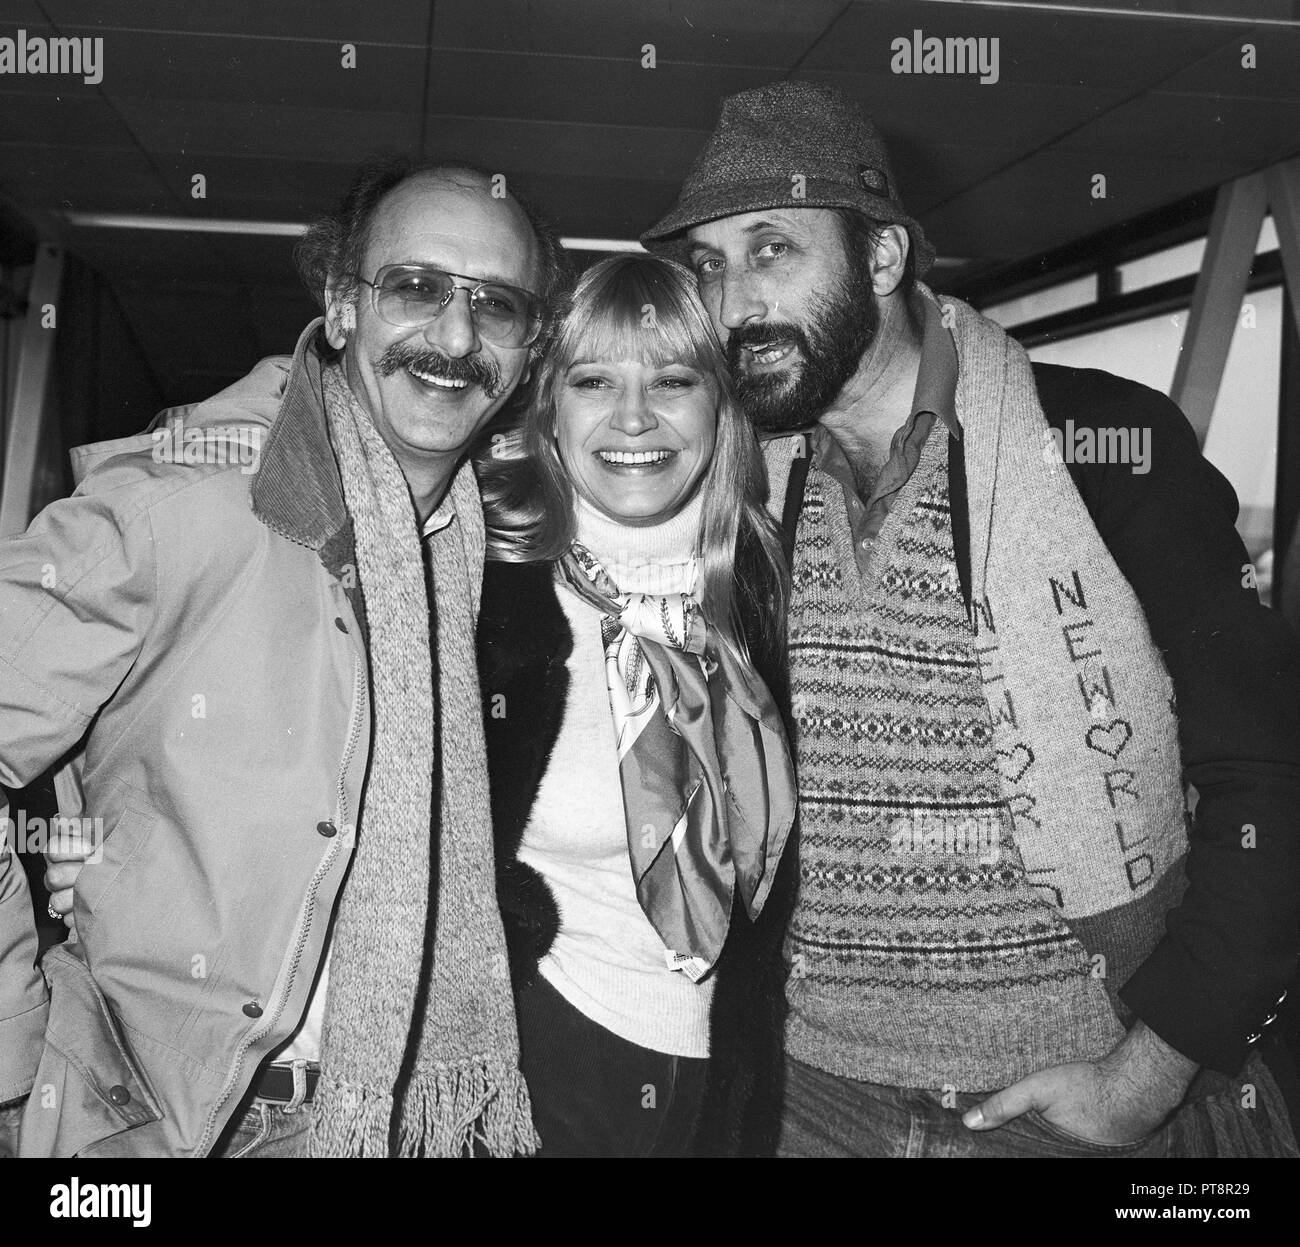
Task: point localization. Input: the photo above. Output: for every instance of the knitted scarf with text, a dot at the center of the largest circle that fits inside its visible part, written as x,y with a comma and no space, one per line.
1079,736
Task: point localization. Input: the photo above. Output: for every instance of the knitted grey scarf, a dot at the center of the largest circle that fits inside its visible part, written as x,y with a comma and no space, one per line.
1080,701
420,1050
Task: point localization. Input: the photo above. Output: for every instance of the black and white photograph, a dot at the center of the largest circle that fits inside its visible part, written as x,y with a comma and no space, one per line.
650,579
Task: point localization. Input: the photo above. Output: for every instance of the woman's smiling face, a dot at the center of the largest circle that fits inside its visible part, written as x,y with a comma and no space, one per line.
635,437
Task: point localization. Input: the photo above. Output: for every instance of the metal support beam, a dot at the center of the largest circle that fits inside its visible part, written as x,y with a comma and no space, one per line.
1283,185
1229,251
1286,499
28,412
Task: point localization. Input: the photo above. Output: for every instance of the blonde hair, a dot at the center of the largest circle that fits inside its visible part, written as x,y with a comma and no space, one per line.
645,308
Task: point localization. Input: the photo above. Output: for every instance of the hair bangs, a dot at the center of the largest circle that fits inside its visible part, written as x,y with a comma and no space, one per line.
633,311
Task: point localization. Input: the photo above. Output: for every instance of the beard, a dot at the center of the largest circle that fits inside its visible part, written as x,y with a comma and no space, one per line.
841,324
477,370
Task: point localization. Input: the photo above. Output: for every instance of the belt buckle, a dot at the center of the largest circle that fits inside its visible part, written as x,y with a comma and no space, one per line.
298,1066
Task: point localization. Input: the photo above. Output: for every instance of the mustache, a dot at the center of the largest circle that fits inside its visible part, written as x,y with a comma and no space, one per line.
475,370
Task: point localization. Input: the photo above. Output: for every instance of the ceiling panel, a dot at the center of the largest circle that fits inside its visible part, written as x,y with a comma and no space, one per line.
552,93
63,119
929,174
1108,53
1044,202
392,21
42,84
565,88
698,32
21,13
1192,127
250,187
1014,118
1015,115
599,207
1221,72
265,132
163,65
530,148
82,178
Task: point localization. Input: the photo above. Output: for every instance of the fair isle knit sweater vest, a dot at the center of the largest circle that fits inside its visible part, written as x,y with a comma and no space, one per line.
992,825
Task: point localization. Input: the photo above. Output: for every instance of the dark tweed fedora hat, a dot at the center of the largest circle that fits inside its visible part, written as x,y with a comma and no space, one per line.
790,144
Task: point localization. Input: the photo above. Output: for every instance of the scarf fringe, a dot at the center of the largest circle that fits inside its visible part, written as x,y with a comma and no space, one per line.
349,1120
465,1105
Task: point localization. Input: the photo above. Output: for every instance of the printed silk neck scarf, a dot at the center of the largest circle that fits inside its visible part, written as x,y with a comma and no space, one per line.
708,784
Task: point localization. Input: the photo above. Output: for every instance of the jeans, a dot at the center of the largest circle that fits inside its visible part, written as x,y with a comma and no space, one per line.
825,1115
10,1116
264,1130
596,1094
268,1129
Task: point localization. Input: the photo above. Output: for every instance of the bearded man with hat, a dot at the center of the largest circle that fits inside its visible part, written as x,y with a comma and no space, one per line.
1011,937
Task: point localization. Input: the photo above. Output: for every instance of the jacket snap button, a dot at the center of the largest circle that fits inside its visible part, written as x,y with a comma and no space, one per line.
327,828
119,1095
340,625
253,1009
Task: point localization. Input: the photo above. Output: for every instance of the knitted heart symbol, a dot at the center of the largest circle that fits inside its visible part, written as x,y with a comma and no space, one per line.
1109,738
1015,762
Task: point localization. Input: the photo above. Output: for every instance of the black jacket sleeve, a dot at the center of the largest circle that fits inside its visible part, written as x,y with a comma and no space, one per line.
1230,947
523,647
741,1111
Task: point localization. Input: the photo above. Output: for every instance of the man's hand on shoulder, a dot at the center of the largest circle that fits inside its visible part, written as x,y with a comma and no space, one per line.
1120,1098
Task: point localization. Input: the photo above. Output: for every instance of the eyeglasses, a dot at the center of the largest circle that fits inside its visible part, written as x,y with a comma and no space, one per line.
409,295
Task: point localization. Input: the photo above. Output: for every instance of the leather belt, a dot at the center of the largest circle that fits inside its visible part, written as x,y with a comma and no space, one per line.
275,1082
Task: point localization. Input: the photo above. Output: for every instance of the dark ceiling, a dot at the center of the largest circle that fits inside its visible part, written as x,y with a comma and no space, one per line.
552,93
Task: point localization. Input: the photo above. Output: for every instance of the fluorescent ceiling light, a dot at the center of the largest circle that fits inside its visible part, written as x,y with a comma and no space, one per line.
291,229
270,229
602,244
183,224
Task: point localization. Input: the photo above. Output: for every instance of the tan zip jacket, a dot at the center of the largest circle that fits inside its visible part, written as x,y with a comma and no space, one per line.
192,635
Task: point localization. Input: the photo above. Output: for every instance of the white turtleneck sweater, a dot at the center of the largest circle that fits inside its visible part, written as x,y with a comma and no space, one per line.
607,960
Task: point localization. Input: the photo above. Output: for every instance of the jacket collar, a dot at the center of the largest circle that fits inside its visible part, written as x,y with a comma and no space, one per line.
297,490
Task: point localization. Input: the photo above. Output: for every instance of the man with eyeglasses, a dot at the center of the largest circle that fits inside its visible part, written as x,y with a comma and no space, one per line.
287,942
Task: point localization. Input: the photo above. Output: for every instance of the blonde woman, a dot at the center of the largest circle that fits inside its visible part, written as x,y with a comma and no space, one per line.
631,640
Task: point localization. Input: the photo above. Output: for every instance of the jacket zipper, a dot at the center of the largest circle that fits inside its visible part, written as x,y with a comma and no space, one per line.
300,942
